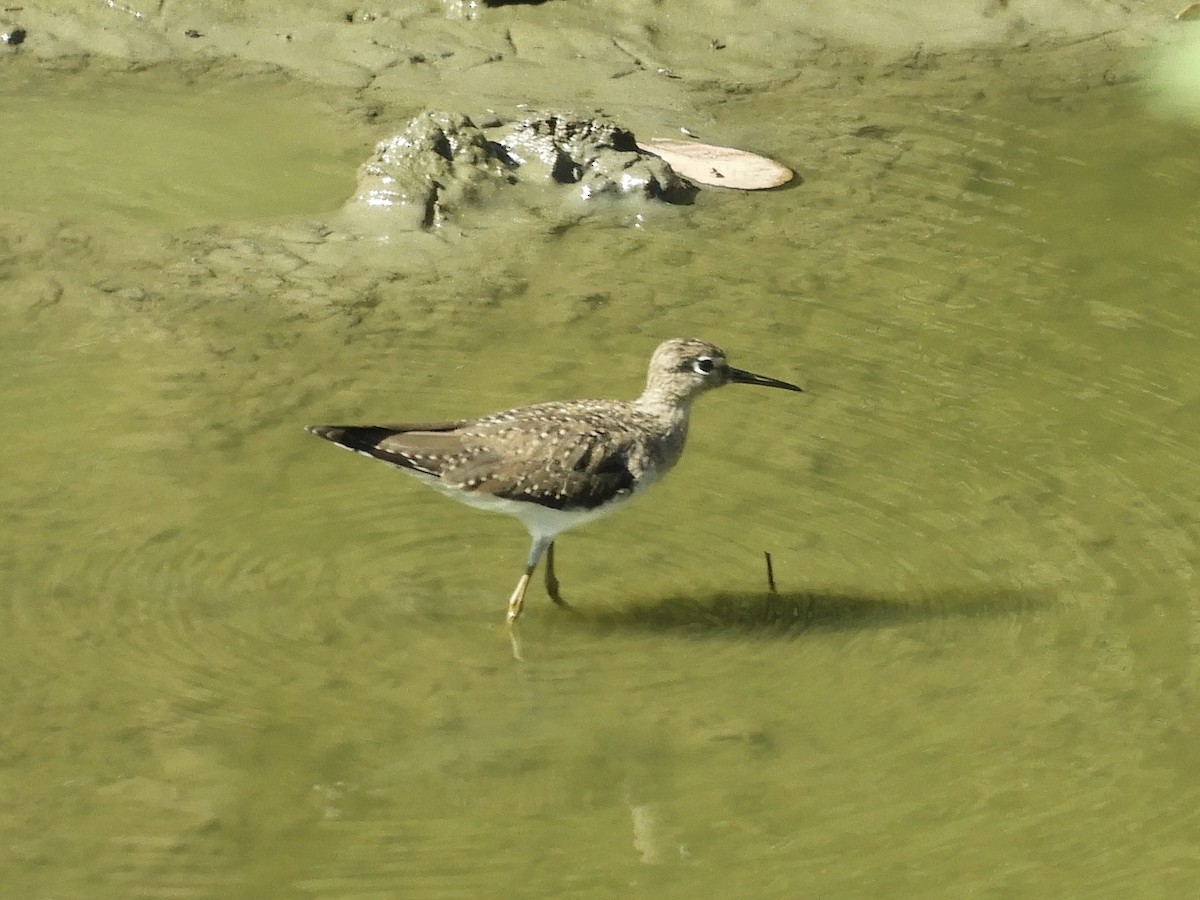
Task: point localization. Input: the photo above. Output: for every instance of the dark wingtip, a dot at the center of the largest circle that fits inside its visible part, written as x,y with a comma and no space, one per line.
363,438
328,432
351,437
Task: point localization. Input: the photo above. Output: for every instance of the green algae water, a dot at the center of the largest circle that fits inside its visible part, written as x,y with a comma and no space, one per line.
160,148
239,664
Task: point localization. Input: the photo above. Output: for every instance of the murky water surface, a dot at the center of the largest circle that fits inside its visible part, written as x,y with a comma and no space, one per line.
240,664
159,148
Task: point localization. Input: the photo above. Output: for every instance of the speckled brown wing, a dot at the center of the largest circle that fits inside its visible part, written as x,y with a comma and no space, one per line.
572,465
567,469
555,455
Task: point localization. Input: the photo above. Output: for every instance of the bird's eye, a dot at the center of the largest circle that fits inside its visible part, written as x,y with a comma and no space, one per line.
704,365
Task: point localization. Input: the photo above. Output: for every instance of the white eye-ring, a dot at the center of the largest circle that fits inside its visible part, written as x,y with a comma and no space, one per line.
704,365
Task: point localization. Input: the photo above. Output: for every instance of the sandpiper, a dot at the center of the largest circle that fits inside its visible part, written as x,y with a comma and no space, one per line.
557,465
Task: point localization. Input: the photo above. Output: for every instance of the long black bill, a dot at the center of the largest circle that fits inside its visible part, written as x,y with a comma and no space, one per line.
741,376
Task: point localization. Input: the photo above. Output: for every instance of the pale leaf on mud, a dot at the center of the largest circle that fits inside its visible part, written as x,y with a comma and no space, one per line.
719,166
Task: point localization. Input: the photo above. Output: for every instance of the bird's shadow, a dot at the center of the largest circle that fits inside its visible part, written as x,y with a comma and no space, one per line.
791,613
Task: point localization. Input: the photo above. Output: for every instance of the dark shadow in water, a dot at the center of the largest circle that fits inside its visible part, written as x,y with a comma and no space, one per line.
791,613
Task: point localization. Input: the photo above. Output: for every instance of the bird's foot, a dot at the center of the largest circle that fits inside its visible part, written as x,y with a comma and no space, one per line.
514,638
552,590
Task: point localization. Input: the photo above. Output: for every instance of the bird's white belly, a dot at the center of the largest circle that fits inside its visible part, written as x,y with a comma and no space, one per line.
542,521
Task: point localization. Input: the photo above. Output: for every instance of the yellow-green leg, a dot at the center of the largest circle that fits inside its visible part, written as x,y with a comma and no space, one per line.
516,602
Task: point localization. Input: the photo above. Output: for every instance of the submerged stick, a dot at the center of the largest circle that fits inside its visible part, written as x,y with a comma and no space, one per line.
770,573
